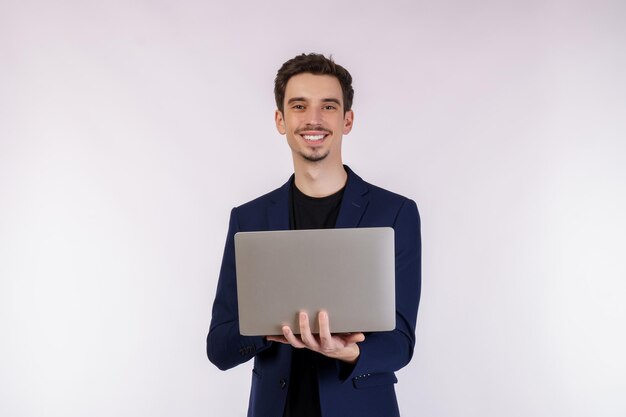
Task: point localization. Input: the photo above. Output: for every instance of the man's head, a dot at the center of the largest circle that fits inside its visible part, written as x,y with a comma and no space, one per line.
314,99
316,64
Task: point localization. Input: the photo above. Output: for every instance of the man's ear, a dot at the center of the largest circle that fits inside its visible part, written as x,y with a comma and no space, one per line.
280,122
348,120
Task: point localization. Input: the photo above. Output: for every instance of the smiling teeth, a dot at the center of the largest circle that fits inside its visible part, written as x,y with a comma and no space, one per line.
313,137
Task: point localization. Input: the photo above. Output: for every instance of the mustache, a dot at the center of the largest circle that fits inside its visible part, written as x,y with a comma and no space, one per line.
313,127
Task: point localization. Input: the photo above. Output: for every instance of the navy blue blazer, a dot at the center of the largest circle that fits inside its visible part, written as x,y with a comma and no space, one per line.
364,389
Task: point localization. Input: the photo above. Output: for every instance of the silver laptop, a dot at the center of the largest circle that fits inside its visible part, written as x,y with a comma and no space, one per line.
350,273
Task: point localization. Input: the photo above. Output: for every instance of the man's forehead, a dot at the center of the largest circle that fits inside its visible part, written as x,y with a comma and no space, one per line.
313,86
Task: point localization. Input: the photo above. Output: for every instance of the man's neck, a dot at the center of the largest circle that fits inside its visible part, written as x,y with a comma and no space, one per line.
317,179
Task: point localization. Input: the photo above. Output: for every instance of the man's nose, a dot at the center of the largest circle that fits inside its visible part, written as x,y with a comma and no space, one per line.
314,116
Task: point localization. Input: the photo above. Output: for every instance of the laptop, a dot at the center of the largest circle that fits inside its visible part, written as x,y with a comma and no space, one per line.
350,273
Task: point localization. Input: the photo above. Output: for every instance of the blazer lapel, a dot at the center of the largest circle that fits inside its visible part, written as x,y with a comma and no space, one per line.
354,201
278,210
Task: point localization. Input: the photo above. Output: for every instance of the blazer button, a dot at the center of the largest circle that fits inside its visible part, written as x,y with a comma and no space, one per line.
283,383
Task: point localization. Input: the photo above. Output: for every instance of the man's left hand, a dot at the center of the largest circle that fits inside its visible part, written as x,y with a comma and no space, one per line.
338,346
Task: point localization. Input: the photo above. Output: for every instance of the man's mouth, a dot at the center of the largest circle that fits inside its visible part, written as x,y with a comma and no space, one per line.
313,136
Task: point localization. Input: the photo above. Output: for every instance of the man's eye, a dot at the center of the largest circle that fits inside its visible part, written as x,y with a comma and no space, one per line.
298,107
329,107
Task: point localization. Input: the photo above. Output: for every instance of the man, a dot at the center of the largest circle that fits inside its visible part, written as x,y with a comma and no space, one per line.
320,374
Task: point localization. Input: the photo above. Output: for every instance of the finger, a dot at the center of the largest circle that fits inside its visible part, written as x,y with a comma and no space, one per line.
325,336
292,339
305,332
279,339
354,337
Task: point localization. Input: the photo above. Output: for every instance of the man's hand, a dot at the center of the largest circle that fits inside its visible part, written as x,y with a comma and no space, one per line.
338,346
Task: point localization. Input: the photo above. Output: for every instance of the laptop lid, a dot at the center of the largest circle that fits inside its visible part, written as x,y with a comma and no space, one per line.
350,273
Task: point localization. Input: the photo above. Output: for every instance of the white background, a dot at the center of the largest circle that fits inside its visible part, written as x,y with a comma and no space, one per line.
129,129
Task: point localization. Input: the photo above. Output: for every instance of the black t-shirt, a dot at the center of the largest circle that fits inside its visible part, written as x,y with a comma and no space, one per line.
303,399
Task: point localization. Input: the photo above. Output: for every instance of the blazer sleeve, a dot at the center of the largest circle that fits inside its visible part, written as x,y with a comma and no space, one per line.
390,351
226,347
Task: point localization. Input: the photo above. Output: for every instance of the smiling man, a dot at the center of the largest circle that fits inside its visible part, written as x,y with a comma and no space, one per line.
325,374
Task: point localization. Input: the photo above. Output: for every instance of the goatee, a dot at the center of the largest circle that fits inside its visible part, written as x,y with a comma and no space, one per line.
314,157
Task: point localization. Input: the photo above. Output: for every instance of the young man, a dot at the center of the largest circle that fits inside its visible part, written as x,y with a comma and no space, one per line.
329,375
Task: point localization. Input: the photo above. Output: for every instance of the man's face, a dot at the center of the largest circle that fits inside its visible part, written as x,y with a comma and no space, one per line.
313,119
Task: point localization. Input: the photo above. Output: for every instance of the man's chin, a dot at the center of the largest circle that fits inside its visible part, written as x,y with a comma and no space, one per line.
314,157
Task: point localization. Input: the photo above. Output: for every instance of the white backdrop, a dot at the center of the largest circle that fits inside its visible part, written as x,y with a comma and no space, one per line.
129,129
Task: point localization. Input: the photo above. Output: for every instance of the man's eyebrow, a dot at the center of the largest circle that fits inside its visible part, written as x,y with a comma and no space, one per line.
332,100
324,100
293,99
